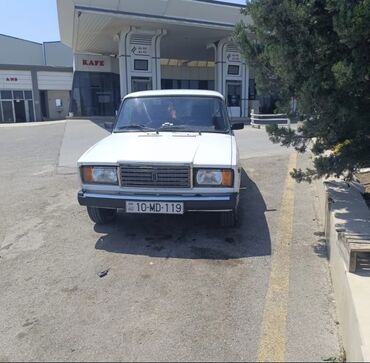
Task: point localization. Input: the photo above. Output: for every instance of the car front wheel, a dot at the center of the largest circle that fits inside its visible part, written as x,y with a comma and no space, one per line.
101,215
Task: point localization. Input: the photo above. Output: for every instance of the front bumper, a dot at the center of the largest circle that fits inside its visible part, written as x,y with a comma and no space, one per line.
192,203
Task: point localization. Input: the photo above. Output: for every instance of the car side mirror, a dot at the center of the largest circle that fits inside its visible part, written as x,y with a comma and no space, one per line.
237,126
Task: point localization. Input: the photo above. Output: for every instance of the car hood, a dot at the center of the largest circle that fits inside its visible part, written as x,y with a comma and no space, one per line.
206,149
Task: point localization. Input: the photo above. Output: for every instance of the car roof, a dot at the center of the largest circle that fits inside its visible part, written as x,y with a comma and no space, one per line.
175,92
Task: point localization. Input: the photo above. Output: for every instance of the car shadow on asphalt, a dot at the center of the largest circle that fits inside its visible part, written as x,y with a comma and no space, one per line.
192,235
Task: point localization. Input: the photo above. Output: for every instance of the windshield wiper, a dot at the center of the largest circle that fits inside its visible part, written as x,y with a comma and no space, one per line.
136,127
169,127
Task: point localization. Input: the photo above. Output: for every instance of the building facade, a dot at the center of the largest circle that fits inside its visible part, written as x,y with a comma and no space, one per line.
35,80
122,46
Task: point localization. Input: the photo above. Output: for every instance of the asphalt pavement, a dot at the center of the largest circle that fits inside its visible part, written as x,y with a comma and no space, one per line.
174,288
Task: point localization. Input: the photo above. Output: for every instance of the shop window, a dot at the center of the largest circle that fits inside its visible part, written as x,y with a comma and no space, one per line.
6,95
8,111
141,65
18,95
186,84
233,70
28,95
95,94
203,84
167,84
104,97
194,84
30,110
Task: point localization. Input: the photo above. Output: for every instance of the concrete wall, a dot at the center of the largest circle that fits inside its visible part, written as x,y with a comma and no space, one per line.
58,113
347,213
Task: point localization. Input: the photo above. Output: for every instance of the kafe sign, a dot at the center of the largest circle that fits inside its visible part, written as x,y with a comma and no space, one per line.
92,63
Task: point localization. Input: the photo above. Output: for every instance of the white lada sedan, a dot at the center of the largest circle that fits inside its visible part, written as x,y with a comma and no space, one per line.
170,152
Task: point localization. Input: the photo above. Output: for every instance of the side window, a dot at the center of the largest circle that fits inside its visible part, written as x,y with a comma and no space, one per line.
219,116
217,111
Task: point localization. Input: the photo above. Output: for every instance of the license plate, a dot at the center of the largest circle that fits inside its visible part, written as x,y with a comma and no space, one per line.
155,207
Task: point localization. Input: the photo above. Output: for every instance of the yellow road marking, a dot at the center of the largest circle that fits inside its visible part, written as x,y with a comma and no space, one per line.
272,342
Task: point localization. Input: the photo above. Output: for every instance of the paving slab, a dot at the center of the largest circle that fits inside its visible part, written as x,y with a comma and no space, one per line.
79,136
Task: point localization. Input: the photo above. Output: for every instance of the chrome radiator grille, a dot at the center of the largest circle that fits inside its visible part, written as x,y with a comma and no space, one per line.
155,176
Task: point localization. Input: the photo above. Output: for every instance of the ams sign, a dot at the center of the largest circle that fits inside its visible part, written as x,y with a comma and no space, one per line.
95,63
11,79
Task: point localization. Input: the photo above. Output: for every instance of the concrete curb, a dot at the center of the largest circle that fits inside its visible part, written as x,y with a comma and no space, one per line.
79,136
347,219
31,124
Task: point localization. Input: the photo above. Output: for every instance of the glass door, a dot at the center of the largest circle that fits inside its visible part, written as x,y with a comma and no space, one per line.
16,106
8,115
233,97
141,84
103,102
20,111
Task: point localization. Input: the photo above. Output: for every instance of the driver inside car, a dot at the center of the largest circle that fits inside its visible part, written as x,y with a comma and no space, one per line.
172,114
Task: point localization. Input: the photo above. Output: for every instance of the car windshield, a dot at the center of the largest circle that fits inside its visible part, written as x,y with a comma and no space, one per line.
175,113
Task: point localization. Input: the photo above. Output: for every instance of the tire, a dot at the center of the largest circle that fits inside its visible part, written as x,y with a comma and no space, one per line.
101,215
228,219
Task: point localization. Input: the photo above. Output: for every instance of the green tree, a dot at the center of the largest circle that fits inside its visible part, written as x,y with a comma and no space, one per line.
317,51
